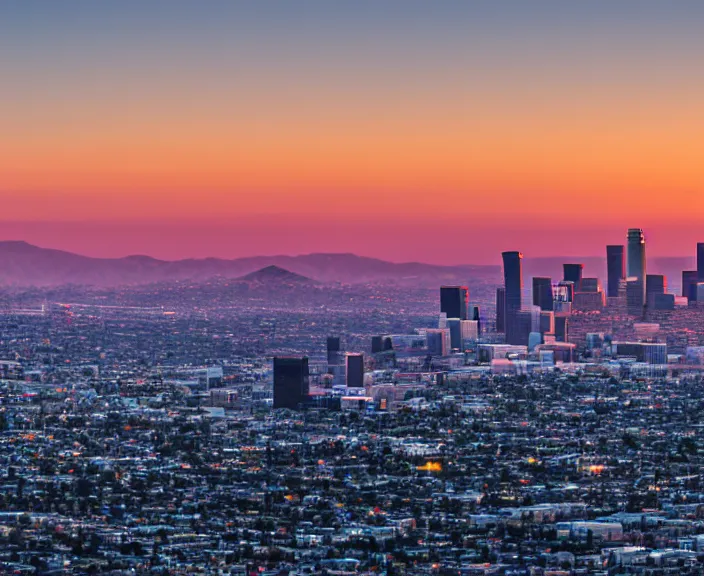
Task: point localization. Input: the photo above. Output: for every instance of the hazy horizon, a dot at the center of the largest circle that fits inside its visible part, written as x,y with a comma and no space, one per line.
97,239
410,130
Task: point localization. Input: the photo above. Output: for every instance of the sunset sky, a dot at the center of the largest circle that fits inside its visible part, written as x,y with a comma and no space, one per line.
442,131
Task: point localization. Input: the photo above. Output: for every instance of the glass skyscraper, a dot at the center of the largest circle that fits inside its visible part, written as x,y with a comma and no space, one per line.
636,259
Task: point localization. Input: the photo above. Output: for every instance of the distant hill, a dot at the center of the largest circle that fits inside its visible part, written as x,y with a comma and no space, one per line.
275,275
23,264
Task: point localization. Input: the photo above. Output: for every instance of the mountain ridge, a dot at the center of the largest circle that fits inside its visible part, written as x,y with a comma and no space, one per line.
25,264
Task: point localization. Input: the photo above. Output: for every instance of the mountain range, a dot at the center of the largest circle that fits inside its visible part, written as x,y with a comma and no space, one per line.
23,264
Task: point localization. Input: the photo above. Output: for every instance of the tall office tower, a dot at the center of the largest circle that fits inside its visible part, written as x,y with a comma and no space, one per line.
689,284
654,284
636,266
334,348
513,285
291,381
700,261
616,269
454,301
355,370
542,293
573,273
500,309
513,280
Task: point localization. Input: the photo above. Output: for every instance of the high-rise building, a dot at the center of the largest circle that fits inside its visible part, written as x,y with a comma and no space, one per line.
513,286
635,296
501,309
573,273
454,325
333,349
513,280
542,293
616,269
519,325
689,284
636,256
454,301
700,261
654,284
291,382
355,370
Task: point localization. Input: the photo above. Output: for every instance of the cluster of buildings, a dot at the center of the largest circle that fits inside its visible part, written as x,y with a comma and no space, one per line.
560,438
633,327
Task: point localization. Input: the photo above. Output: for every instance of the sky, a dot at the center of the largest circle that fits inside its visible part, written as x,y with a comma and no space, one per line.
440,131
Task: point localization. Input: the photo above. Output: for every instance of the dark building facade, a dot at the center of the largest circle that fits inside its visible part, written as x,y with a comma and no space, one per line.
542,293
689,284
654,284
500,309
636,263
561,327
664,302
513,286
518,327
700,261
591,285
615,269
454,301
476,316
547,322
333,348
513,280
635,297
291,382
573,273
355,370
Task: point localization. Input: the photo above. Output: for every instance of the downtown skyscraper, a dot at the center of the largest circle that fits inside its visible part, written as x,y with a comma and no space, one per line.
454,301
636,269
636,254
513,287
615,269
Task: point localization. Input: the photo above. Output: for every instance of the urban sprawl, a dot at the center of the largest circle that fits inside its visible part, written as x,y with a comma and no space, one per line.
278,426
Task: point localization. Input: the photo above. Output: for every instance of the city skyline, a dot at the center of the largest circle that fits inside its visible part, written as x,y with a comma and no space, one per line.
370,288
133,130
